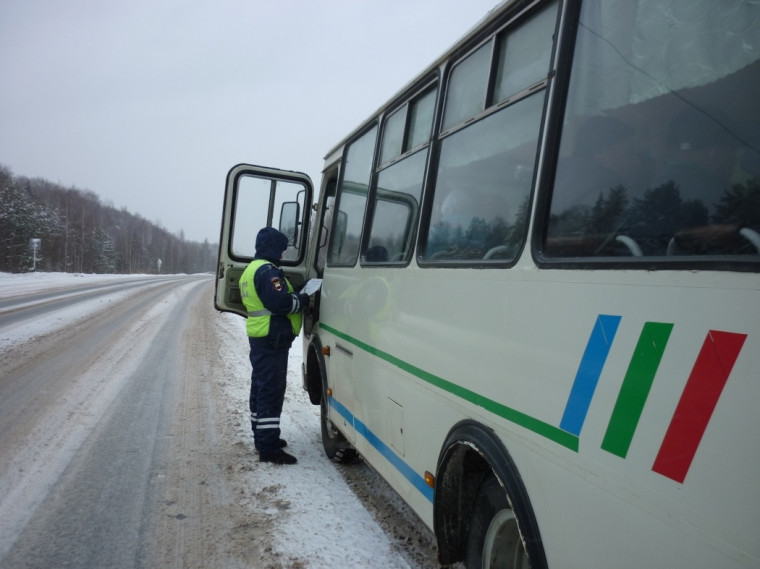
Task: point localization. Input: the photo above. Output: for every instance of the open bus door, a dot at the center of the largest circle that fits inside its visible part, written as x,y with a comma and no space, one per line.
257,197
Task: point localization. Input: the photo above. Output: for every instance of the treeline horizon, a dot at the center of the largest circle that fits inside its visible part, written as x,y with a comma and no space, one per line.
79,233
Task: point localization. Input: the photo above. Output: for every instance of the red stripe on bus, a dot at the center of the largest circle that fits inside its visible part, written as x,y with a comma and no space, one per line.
700,396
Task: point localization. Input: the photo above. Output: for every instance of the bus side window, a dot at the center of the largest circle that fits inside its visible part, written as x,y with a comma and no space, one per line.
404,152
481,207
352,200
656,163
396,205
485,168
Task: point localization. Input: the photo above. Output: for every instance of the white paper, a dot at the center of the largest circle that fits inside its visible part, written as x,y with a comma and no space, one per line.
312,286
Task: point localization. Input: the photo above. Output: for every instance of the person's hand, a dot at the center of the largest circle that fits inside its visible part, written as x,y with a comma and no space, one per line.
304,298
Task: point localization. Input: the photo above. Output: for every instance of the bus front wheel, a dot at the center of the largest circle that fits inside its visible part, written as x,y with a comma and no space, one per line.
336,446
494,540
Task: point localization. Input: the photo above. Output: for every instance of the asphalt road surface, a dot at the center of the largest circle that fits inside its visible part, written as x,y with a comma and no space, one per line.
85,416
114,439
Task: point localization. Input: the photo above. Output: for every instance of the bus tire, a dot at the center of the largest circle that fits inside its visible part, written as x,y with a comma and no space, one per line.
494,540
336,446
314,370
479,493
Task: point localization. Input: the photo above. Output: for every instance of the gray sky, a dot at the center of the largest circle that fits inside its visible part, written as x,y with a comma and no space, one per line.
148,103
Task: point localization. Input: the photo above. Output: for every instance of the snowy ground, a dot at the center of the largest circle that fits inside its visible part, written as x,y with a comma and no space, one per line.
307,512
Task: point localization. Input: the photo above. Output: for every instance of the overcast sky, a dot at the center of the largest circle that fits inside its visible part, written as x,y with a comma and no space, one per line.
148,103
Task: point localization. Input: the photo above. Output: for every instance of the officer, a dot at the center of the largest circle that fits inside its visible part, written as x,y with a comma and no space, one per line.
274,320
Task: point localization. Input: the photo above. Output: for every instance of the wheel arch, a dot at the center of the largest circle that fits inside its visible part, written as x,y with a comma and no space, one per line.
470,453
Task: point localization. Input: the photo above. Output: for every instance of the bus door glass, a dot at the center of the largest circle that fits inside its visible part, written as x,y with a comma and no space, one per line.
258,197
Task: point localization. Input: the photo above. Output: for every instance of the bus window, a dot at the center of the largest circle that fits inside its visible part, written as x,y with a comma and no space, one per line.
659,155
395,213
483,185
393,136
352,200
399,185
524,54
421,120
396,139
485,170
467,87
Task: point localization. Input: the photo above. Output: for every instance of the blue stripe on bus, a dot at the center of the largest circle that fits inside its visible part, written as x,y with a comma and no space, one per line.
416,480
589,371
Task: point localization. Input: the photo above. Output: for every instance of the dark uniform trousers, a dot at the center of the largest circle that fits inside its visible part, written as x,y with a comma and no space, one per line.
269,365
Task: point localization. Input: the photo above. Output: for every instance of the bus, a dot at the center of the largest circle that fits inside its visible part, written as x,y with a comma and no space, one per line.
539,314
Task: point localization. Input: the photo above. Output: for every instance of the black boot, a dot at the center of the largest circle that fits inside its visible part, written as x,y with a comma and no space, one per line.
279,457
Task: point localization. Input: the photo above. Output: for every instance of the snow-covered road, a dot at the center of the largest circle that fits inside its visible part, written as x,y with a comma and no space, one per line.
124,438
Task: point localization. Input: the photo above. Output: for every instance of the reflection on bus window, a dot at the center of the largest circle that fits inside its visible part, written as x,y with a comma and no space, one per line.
660,153
396,205
480,206
352,200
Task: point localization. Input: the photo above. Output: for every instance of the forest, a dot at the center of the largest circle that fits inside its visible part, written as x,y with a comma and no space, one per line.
75,232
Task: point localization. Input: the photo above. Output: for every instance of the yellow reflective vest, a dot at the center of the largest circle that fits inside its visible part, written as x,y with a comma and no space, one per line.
257,322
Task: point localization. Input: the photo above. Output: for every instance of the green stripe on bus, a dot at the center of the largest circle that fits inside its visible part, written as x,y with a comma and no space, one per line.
635,389
537,426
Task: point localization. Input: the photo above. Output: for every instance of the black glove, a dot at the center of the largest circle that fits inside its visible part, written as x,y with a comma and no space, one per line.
304,298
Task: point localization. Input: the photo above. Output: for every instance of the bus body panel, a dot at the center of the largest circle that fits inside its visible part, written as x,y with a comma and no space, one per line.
521,363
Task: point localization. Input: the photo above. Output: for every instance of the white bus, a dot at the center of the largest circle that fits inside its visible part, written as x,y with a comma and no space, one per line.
539,318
